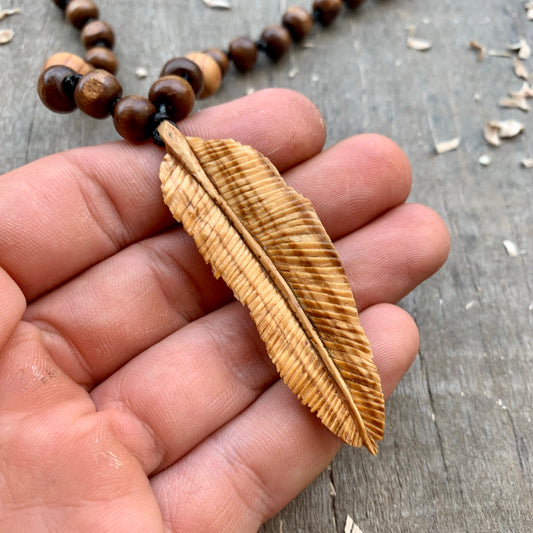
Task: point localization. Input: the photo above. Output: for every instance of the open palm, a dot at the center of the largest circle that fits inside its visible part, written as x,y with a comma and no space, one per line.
135,394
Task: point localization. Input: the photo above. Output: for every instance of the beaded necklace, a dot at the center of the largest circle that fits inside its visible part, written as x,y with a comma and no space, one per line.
68,81
258,234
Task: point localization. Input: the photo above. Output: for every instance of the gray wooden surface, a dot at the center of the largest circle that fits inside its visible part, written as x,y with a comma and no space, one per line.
458,453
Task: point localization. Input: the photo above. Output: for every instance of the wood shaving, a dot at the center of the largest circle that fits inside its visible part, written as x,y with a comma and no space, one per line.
523,49
505,129
6,36
501,404
520,70
479,48
485,160
518,102
218,4
293,72
526,91
447,146
422,45
4,13
350,526
491,134
527,162
511,248
509,128
470,304
498,53
418,44
141,73
529,8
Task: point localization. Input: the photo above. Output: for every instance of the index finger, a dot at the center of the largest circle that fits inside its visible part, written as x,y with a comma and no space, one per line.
67,212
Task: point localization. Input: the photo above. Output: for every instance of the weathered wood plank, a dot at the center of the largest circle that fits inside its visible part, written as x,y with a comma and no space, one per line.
457,454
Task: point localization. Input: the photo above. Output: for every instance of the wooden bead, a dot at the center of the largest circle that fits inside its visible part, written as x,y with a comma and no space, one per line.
352,4
52,89
102,57
220,57
97,33
66,59
277,41
97,92
298,21
78,12
186,69
131,118
243,53
327,10
173,93
61,4
211,71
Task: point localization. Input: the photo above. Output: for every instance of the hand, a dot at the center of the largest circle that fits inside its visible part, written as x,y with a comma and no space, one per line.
135,395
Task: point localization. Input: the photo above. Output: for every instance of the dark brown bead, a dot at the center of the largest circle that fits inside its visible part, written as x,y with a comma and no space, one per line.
352,4
61,4
131,118
243,53
277,41
102,57
97,92
220,57
327,10
298,21
97,33
175,94
186,69
78,12
52,89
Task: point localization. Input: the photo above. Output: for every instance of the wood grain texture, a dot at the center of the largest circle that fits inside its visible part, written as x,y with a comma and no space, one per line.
457,455
267,243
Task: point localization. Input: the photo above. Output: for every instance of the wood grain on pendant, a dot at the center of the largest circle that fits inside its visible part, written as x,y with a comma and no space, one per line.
266,241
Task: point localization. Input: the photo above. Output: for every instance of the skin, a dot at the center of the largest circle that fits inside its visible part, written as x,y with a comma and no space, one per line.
135,395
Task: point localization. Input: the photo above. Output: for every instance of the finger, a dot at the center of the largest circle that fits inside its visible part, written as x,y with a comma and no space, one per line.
391,256
70,211
270,452
354,182
12,306
164,284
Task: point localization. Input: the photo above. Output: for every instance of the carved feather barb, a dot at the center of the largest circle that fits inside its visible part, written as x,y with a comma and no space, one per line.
266,241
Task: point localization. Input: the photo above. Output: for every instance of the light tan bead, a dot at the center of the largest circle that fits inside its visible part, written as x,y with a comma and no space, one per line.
66,59
210,70
220,57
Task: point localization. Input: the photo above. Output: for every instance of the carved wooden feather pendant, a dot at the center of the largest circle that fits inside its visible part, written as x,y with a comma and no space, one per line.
266,241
